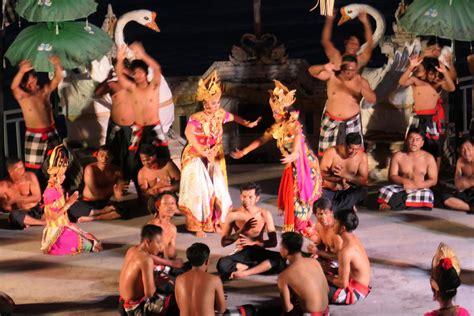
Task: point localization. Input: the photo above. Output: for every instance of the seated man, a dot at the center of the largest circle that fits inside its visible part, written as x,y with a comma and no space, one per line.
138,292
351,283
463,198
20,195
326,242
157,175
199,293
413,171
249,223
102,180
344,170
304,278
167,204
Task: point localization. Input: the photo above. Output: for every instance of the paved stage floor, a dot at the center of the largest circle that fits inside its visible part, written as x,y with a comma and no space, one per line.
400,246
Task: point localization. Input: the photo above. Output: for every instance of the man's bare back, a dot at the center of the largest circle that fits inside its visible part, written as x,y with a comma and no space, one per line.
353,253
137,263
312,294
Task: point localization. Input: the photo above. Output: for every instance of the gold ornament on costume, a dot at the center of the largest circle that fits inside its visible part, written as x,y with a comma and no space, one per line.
58,161
444,258
209,88
281,97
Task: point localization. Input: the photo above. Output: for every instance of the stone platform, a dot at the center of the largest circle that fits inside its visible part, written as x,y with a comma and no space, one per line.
400,246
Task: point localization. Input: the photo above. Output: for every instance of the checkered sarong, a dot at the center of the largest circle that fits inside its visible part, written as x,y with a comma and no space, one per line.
38,143
150,134
333,131
415,198
425,124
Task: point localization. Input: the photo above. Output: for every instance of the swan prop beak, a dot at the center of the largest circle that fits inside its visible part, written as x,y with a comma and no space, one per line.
344,18
152,25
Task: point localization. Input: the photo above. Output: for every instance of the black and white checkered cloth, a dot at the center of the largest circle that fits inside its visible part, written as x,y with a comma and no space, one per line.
425,124
334,132
139,133
415,198
38,145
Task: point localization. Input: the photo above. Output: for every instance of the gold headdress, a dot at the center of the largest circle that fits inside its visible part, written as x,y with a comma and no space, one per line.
209,88
281,97
444,259
58,161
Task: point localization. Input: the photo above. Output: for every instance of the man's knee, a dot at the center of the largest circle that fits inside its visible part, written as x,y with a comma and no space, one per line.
225,266
17,219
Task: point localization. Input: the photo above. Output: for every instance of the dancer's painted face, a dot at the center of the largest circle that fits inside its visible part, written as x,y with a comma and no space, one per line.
278,115
212,105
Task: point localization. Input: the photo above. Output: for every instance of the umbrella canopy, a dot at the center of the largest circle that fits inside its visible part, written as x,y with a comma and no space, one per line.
450,19
55,10
76,43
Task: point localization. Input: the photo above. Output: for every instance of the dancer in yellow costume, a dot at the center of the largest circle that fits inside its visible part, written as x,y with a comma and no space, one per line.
203,193
300,184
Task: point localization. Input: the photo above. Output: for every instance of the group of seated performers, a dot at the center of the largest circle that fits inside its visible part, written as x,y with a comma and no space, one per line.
153,280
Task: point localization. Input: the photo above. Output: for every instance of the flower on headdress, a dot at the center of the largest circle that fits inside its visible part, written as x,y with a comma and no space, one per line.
446,263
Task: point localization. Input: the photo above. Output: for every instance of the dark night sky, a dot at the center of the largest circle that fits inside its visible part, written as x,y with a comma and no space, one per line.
196,33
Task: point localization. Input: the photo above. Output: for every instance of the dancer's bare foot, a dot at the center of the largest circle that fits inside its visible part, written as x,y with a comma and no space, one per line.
384,207
201,234
84,219
241,267
97,246
217,229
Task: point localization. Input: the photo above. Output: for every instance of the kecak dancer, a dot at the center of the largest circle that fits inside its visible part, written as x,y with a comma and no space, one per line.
204,197
61,237
301,181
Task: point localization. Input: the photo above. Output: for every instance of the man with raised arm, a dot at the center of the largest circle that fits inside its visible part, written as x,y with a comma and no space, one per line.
20,195
138,295
351,283
345,89
199,293
345,173
351,44
246,226
426,90
462,199
145,99
41,135
413,172
304,278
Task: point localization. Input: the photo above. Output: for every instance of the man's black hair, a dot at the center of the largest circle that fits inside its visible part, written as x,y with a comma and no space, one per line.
349,59
147,149
347,218
138,63
252,186
197,254
353,139
415,130
11,161
151,231
24,80
292,242
322,204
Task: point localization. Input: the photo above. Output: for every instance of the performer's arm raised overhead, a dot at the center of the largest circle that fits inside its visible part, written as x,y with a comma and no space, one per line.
122,78
330,50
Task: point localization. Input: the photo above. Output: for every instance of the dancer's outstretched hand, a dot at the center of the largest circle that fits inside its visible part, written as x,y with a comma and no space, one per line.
70,200
254,123
289,158
237,154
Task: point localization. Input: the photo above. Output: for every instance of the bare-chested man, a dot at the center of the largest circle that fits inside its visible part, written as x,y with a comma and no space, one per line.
41,135
426,90
158,174
326,243
413,171
249,222
304,278
199,293
462,199
345,171
138,295
145,98
345,88
351,283
122,116
167,205
351,44
20,195
102,180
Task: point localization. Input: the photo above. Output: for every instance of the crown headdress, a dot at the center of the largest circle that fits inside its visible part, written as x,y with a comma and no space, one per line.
58,161
444,259
209,88
281,97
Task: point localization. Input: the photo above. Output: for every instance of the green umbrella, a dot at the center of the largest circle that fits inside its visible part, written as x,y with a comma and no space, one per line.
76,43
451,19
55,10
